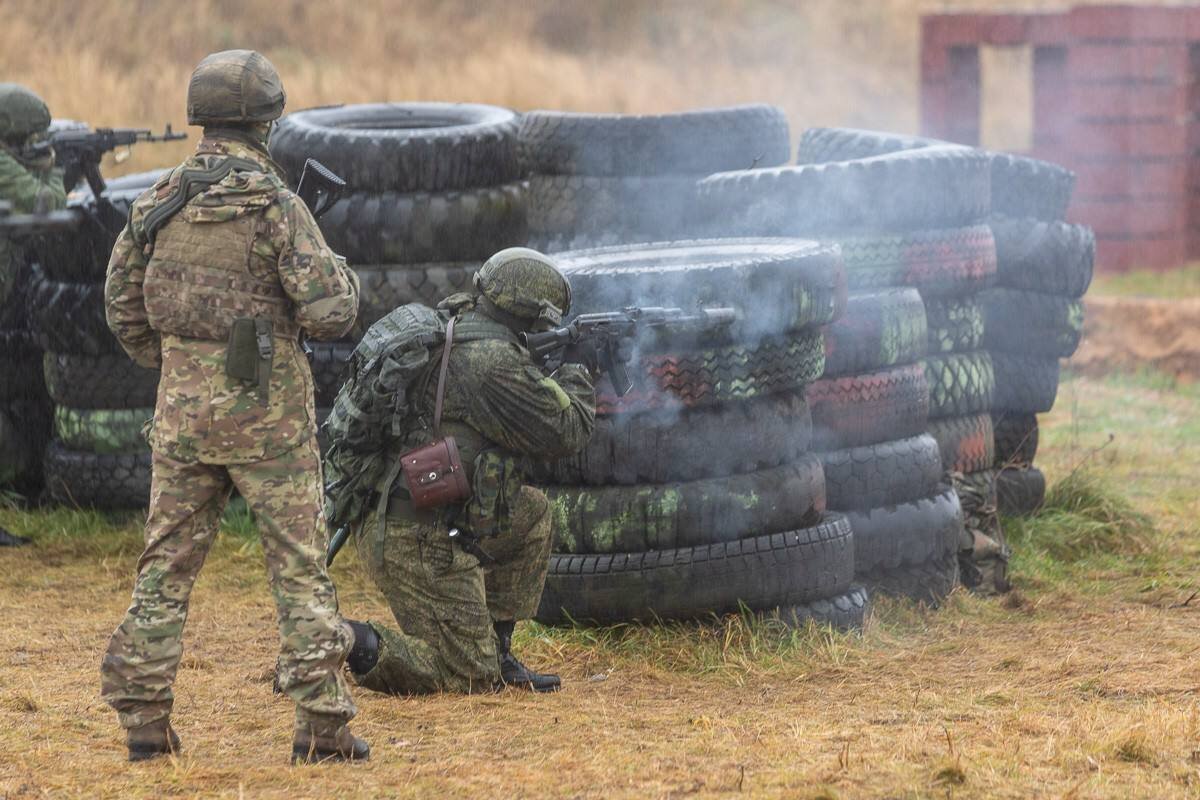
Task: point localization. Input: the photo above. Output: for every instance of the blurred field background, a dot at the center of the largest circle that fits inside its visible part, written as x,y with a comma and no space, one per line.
827,62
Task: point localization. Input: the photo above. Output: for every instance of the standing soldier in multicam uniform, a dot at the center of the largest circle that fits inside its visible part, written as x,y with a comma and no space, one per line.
217,248
29,184
456,614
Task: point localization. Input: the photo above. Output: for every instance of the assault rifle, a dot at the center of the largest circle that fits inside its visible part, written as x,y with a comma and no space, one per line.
608,331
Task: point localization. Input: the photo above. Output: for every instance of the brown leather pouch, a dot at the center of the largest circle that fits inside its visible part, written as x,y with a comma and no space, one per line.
434,472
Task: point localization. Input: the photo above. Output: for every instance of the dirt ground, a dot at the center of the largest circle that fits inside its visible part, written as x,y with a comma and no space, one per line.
1141,332
1083,683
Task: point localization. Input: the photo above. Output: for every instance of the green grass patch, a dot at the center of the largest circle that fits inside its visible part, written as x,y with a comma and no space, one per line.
1182,282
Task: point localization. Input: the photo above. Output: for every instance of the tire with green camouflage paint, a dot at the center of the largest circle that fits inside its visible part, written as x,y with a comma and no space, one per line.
935,186
844,612
384,287
1016,438
881,474
1031,323
878,329
688,143
955,324
106,381
1020,491
1028,384
107,431
718,375
459,225
649,208
94,480
615,519
775,285
967,444
860,410
670,446
1020,186
960,384
402,147
791,568
915,532
940,262
1049,257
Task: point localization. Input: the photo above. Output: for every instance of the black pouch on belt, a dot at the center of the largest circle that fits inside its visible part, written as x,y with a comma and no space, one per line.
251,353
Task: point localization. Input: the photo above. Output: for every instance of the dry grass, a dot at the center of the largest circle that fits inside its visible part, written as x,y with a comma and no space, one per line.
1081,684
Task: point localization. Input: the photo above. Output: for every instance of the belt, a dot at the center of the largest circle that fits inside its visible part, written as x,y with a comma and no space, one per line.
400,506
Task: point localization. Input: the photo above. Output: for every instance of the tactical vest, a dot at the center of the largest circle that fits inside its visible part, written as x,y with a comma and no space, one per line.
199,280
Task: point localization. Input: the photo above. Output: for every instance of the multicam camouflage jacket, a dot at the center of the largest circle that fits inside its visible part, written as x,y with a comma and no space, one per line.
246,246
29,186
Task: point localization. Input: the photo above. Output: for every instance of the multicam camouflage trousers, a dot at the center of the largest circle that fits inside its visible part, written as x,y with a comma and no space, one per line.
445,601
186,501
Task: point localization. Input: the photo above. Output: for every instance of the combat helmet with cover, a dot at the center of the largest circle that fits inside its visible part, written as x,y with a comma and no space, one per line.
526,286
22,113
234,87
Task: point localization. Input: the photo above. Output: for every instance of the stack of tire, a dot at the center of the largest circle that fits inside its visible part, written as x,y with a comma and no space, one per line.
608,179
699,493
98,456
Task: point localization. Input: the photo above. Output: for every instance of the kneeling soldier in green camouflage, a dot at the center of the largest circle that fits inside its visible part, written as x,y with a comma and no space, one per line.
219,271
459,577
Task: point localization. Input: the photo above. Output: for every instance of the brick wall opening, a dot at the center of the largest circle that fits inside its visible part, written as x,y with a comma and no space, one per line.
1006,105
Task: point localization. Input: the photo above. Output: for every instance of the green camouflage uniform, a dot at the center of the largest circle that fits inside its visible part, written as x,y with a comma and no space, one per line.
500,408
29,186
983,553
212,433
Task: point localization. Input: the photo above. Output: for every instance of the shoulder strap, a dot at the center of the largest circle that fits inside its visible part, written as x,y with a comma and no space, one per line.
191,183
441,387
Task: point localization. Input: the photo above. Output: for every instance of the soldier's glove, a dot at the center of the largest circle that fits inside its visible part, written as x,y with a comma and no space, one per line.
584,354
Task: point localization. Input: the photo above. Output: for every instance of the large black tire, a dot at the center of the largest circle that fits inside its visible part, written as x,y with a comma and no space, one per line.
328,361
22,376
109,381
459,225
943,262
384,287
1031,323
69,318
648,208
1016,438
960,384
664,447
1024,384
614,519
882,474
91,480
1020,186
763,572
927,583
1020,491
928,188
867,409
878,329
718,375
106,431
967,444
402,147
955,324
18,454
690,143
843,612
775,285
891,536
1049,257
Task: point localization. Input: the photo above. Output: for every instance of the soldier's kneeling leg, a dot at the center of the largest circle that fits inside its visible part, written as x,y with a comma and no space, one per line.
522,558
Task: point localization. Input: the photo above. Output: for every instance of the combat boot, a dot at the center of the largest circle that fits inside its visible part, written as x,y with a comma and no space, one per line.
315,744
152,740
365,653
513,672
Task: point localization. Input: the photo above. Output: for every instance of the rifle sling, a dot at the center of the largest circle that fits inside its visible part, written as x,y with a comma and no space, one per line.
191,183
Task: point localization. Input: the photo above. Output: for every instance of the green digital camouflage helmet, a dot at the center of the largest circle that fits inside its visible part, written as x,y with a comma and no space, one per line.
526,284
22,113
234,86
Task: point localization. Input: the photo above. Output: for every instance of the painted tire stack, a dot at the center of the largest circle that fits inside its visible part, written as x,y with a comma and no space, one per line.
607,179
98,456
699,493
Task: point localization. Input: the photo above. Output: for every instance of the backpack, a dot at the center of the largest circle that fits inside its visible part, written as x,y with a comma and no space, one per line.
373,410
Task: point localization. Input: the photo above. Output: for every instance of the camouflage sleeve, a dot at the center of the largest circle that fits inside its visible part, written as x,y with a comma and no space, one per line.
30,190
124,301
523,410
317,280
